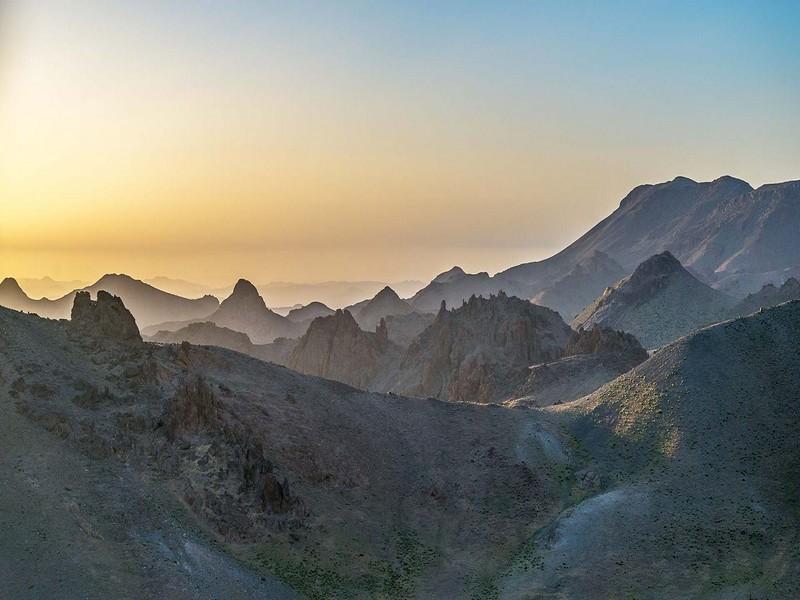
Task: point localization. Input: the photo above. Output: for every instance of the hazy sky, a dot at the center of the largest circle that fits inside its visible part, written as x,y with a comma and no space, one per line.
312,141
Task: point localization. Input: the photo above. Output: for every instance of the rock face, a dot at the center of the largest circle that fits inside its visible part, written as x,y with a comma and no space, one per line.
769,295
481,351
105,317
404,328
658,303
570,294
611,345
591,359
335,347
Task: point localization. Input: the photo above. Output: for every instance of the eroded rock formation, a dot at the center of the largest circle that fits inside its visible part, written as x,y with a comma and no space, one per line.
105,317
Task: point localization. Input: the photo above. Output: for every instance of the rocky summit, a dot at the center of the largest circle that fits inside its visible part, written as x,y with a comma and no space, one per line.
337,348
658,303
105,317
480,351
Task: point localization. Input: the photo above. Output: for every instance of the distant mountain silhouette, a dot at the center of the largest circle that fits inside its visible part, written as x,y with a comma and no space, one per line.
148,305
47,287
722,230
206,333
309,311
244,311
455,286
571,293
336,294
386,302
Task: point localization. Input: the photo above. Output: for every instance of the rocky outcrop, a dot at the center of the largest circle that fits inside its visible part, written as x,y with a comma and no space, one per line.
611,345
481,351
658,303
404,328
192,408
591,359
335,347
769,295
105,317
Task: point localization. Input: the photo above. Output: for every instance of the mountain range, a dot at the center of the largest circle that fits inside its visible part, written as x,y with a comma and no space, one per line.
732,236
216,474
148,304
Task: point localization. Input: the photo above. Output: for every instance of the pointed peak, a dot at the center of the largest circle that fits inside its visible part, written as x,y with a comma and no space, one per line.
386,293
658,264
680,179
10,284
244,288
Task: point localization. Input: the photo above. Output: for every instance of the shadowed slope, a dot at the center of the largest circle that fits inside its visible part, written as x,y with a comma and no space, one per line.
695,460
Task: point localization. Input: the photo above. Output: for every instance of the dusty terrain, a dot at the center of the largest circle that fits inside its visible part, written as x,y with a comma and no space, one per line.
201,472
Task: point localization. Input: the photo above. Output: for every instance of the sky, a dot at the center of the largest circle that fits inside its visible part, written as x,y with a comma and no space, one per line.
303,141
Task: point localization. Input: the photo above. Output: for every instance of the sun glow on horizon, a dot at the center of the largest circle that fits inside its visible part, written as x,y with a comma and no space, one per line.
310,143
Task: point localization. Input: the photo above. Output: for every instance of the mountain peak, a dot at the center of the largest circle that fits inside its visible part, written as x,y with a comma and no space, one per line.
109,277
658,264
729,179
454,273
244,288
386,293
10,285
